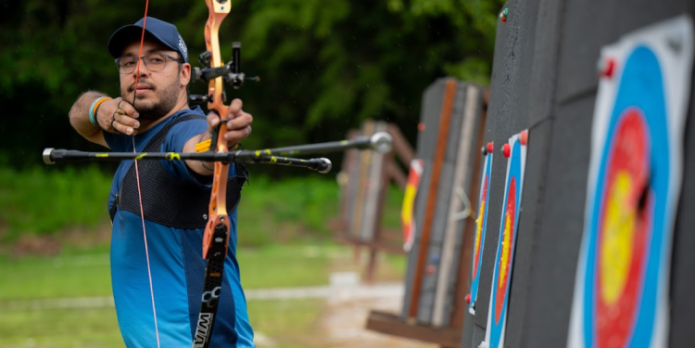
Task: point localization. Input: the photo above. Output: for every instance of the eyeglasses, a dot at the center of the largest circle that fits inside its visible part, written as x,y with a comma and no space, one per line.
154,62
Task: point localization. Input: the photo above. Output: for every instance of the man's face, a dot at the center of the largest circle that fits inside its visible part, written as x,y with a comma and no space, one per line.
159,91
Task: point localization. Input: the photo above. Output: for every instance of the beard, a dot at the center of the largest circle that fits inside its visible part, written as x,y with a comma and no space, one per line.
150,110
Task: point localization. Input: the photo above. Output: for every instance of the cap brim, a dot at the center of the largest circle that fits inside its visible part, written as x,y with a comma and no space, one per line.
126,35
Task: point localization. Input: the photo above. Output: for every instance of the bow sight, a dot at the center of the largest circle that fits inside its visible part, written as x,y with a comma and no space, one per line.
230,72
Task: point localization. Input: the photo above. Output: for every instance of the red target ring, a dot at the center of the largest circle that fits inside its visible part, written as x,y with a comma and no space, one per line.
622,236
505,259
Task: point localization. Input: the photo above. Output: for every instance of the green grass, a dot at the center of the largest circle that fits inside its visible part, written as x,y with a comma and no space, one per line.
287,265
297,208
80,273
86,273
47,201
43,201
50,277
284,241
392,208
288,323
86,327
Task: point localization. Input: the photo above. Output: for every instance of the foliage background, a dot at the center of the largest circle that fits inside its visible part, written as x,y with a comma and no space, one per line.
325,66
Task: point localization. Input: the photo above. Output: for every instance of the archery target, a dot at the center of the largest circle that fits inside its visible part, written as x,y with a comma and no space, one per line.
504,260
407,216
621,289
481,225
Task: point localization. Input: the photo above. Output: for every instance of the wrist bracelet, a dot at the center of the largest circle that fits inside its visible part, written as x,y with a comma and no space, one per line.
93,110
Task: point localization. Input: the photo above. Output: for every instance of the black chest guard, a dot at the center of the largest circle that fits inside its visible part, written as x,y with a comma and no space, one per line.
168,201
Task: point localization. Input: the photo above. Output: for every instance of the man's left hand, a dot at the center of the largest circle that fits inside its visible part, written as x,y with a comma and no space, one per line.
238,126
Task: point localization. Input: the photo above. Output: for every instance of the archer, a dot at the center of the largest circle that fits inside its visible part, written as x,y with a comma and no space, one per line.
157,291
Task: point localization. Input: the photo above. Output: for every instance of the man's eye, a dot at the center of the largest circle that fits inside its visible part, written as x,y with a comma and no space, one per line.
128,63
156,60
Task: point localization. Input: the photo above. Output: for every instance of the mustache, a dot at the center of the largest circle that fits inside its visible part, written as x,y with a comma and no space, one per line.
141,84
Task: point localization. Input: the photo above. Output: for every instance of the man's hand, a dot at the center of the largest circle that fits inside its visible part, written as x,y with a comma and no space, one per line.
238,126
118,116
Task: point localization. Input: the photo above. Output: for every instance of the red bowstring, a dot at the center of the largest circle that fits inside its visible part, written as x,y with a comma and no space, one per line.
137,176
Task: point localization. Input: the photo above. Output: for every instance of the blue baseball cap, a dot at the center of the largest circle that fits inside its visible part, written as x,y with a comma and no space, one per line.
164,32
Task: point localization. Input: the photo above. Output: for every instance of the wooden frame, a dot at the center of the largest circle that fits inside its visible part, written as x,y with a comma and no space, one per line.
351,210
449,336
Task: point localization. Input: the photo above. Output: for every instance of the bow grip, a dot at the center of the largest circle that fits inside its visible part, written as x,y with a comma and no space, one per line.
216,132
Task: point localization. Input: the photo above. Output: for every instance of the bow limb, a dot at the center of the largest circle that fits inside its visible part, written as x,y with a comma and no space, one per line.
216,236
218,210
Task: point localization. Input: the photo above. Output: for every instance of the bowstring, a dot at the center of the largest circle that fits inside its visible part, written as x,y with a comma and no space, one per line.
137,177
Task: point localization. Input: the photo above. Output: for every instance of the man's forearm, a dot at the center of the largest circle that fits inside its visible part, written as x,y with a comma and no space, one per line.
79,115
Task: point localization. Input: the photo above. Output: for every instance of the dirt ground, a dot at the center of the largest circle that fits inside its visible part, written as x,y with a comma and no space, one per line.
344,324
343,320
341,323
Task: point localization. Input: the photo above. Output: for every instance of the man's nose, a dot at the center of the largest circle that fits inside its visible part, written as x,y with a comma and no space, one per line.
142,67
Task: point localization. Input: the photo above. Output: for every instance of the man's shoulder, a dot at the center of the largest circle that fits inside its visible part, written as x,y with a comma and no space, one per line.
183,126
186,117
188,112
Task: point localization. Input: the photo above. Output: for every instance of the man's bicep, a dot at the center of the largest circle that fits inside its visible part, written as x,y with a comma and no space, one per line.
183,137
189,146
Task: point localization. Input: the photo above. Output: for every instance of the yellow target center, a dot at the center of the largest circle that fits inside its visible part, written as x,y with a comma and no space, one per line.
616,246
479,225
506,248
408,199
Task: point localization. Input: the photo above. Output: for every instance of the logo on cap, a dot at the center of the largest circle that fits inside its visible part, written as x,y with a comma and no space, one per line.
183,48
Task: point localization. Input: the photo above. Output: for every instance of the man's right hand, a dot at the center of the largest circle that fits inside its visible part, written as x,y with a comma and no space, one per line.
118,116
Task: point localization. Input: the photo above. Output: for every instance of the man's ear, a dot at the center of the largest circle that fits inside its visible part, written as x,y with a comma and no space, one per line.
185,73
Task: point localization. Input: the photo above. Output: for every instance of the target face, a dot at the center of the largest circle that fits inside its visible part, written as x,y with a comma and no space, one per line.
407,216
626,209
633,176
621,294
481,225
504,261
